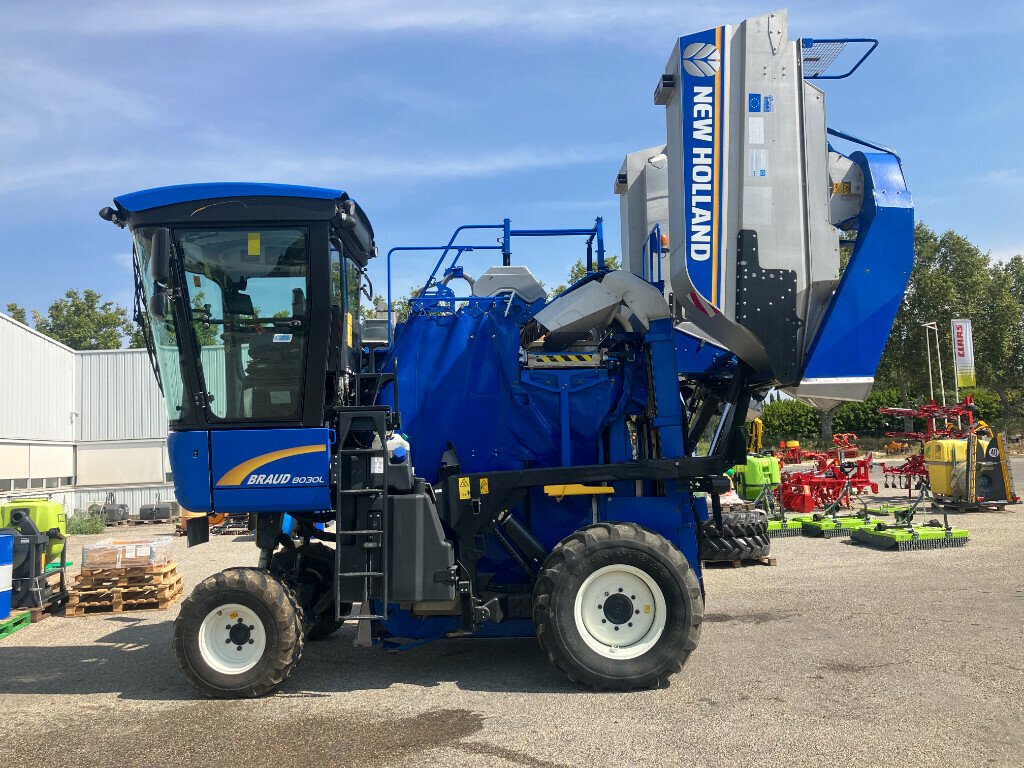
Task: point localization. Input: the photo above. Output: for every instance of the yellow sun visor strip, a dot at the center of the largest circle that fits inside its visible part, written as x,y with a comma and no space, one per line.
575,489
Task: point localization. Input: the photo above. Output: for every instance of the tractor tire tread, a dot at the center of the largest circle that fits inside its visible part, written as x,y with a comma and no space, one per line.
286,611
565,558
717,550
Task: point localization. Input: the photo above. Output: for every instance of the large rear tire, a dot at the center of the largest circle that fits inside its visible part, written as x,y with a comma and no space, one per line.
239,634
744,536
617,607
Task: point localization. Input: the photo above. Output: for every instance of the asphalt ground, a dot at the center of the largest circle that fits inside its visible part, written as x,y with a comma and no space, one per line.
838,655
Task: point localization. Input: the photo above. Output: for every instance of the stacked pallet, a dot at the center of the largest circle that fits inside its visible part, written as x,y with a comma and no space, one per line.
17,620
133,588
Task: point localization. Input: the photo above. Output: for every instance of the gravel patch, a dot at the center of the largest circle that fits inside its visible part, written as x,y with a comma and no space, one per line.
839,655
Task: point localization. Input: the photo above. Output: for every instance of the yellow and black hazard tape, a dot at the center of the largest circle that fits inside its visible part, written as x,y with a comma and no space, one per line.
563,358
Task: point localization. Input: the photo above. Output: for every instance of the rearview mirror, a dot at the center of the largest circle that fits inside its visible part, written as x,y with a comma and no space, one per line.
160,266
158,305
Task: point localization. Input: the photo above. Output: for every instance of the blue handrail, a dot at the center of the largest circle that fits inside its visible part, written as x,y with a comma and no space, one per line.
650,253
594,234
810,42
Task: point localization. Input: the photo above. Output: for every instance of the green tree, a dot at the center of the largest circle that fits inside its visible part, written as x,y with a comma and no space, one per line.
579,270
83,321
18,313
787,419
952,278
136,337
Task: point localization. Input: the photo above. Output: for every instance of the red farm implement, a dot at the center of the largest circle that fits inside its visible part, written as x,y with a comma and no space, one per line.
832,480
939,423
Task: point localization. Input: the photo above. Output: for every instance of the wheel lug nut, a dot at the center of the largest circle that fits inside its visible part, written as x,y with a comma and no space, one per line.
227,640
600,607
631,597
228,627
606,594
637,611
630,624
604,621
253,641
620,589
252,627
616,629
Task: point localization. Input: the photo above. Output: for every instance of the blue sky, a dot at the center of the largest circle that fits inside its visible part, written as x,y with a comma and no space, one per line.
434,114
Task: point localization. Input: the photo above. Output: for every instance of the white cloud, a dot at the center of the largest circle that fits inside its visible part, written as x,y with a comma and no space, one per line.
232,161
1008,252
365,16
39,99
1004,177
630,23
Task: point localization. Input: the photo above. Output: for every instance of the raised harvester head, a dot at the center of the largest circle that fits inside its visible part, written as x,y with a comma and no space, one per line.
752,199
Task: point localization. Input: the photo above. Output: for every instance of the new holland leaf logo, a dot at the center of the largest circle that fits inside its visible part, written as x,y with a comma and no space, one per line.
701,59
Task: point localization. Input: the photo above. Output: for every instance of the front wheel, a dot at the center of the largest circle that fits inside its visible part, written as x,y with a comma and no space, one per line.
239,634
617,607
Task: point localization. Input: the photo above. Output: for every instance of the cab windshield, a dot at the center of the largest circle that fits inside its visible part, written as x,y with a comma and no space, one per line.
246,291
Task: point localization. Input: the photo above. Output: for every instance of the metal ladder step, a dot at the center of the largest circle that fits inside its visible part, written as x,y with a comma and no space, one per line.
362,574
360,492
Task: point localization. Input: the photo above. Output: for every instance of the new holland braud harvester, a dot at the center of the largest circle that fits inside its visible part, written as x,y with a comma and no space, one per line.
558,488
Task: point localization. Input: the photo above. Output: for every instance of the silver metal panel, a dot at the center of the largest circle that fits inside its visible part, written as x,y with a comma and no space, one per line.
643,202
773,181
118,397
37,387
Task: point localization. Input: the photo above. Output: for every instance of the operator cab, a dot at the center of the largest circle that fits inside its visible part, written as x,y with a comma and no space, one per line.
233,282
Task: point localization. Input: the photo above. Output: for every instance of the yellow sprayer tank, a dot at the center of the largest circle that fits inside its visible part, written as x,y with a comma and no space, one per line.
940,457
47,515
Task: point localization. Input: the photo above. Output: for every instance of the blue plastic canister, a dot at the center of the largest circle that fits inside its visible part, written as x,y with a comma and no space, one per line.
6,573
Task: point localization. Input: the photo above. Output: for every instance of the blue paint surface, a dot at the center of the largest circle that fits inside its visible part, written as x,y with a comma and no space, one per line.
145,199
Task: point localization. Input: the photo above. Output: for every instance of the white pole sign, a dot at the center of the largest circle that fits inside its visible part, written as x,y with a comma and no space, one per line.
963,353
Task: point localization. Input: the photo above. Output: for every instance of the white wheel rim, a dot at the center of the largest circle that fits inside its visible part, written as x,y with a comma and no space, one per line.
232,639
604,621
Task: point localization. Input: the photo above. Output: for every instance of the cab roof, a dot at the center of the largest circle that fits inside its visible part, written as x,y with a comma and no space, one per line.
146,199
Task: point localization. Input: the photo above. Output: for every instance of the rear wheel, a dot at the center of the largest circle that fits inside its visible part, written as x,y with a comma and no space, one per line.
617,607
744,536
239,634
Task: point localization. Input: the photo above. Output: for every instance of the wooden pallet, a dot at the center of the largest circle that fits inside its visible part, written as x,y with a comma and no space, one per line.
769,560
17,620
115,590
124,577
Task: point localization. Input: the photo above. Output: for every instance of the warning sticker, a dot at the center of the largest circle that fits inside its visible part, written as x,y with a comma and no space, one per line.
377,465
841,188
755,130
253,245
464,491
757,163
647,609
485,486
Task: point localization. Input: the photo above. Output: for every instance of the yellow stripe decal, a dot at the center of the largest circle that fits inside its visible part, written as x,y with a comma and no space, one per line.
236,475
715,298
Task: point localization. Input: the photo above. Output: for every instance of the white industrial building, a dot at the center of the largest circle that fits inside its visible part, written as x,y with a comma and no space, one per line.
79,424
